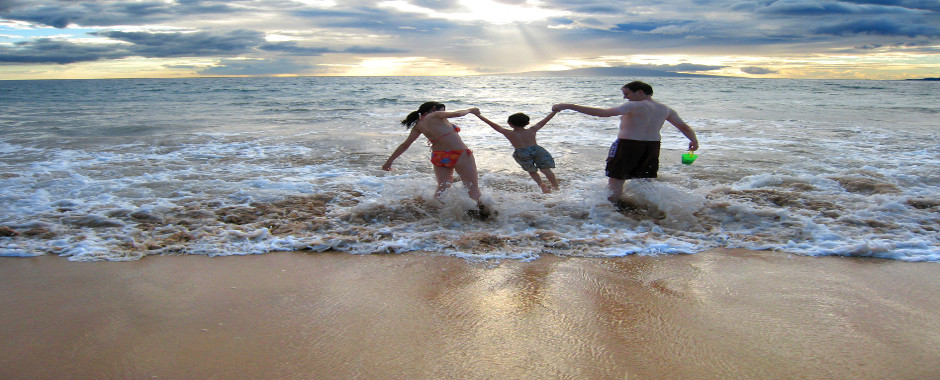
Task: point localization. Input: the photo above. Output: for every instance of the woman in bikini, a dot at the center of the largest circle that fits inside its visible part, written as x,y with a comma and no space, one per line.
448,152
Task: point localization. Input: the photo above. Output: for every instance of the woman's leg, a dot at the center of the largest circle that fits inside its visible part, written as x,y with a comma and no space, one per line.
467,170
444,178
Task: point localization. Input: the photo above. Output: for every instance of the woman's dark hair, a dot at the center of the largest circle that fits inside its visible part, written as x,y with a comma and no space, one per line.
425,108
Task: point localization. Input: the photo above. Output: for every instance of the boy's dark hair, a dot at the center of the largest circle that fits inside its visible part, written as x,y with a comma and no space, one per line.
640,86
518,120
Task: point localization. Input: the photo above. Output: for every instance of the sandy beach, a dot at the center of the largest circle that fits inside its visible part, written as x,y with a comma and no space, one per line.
716,314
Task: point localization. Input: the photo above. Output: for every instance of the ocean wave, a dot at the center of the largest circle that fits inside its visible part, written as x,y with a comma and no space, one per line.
275,164
403,217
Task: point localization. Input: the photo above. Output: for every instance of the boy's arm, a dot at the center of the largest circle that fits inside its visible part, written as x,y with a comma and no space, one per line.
490,123
542,123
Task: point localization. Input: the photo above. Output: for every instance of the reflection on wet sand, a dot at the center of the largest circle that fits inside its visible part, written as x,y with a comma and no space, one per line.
716,314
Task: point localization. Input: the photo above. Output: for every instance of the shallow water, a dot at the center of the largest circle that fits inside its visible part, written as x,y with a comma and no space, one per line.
120,169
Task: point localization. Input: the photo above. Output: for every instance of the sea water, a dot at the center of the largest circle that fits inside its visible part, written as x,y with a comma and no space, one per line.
121,169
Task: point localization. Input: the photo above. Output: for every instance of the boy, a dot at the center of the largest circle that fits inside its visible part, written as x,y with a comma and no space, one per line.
528,154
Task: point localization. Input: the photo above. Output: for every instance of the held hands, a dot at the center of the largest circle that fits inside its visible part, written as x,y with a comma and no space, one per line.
560,107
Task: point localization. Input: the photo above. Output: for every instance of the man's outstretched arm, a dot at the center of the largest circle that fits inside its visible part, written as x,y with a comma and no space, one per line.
593,111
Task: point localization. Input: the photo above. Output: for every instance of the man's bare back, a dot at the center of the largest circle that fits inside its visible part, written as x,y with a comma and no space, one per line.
641,120
641,117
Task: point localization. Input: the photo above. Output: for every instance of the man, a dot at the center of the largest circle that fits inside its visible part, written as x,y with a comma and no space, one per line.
635,154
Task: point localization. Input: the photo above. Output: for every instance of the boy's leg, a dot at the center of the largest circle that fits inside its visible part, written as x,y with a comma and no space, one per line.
538,180
551,177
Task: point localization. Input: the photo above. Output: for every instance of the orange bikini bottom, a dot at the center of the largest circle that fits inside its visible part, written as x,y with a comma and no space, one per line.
447,158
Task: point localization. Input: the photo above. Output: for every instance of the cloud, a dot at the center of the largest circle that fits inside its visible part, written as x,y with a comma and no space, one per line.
441,5
227,67
293,48
64,13
374,19
683,30
684,67
600,9
47,50
61,14
647,26
272,35
757,70
196,44
816,7
8,4
810,19
372,50
878,26
211,44
929,5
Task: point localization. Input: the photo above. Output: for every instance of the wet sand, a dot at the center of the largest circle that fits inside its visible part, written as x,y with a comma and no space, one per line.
713,315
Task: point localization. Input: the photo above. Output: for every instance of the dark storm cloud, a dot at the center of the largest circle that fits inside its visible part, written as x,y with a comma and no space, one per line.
818,8
912,46
374,19
291,47
764,21
199,44
142,44
7,4
879,26
61,14
161,45
45,50
931,5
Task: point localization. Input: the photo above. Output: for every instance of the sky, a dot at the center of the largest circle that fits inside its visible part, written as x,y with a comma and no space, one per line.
847,39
